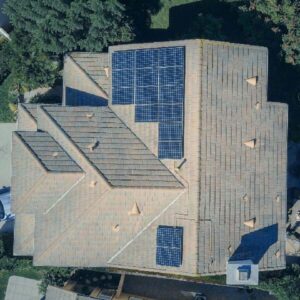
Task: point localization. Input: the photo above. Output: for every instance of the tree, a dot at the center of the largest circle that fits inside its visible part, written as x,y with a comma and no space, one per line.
56,277
28,66
283,18
285,284
58,26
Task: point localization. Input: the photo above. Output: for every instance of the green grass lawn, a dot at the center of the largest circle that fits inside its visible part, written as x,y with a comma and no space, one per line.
161,19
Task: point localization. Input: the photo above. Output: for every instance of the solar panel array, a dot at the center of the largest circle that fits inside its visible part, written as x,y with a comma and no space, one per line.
169,245
153,80
79,98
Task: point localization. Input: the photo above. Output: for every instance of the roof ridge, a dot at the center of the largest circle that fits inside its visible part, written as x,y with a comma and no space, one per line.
73,224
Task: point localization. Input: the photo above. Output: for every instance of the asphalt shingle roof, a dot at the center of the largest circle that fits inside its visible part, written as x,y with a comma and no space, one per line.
117,153
48,151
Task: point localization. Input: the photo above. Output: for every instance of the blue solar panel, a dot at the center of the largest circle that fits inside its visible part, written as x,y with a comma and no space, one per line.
146,113
79,98
169,246
153,80
146,77
122,95
146,95
171,94
170,113
171,76
171,56
170,131
147,58
170,149
123,78
123,59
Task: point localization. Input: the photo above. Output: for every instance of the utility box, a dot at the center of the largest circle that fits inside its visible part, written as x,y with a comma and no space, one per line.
242,272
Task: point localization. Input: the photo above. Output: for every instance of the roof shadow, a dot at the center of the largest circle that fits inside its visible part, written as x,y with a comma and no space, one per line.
255,244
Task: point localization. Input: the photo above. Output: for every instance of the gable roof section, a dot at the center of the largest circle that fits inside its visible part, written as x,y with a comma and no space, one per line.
112,147
93,64
48,152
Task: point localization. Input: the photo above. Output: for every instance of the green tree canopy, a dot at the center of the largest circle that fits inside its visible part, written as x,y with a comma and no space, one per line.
58,26
283,18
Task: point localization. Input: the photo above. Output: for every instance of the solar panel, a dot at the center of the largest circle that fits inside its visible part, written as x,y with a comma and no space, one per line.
123,77
170,149
153,80
169,246
170,131
146,113
79,98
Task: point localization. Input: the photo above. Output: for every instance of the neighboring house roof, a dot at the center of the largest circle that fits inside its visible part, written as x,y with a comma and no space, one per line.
20,288
95,65
55,293
50,154
112,147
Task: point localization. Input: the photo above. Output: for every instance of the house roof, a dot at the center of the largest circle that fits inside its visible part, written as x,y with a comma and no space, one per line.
20,288
94,65
112,147
54,293
50,154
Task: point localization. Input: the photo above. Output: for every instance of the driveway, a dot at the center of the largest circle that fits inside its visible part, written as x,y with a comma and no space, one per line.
169,289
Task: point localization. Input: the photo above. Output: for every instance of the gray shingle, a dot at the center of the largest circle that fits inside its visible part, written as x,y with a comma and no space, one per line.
48,151
119,155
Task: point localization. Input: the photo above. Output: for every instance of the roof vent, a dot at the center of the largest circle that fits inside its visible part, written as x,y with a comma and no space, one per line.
55,154
250,223
106,70
93,183
257,105
93,146
277,198
277,253
116,228
90,115
251,143
135,211
252,80
230,249
246,198
180,164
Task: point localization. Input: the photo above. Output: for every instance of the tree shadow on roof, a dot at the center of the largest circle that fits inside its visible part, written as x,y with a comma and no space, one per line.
255,244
